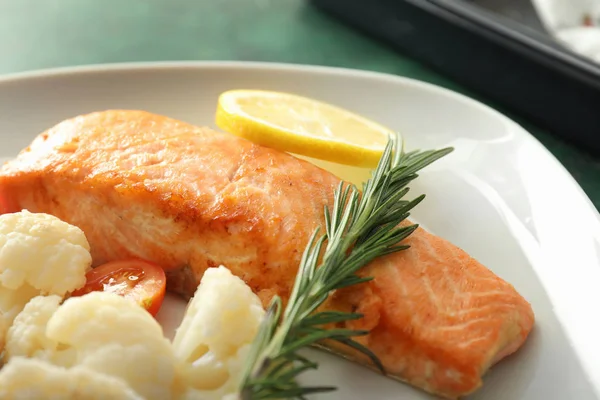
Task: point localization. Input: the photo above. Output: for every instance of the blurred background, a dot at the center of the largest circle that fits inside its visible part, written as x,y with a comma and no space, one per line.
528,60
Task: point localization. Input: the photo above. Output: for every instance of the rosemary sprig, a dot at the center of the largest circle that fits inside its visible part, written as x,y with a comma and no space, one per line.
358,229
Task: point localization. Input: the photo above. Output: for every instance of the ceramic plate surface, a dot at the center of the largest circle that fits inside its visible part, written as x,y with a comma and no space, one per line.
501,196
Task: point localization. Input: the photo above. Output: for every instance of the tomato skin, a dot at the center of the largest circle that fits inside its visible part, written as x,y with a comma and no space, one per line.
139,280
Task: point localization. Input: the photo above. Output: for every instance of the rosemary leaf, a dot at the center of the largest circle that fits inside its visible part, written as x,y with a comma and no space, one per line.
359,228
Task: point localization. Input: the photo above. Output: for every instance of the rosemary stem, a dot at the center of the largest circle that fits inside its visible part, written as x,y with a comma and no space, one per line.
358,229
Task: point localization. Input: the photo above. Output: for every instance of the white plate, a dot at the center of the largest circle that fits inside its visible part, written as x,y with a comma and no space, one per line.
500,195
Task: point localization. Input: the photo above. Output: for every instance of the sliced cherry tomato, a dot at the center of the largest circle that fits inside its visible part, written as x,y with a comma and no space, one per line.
141,281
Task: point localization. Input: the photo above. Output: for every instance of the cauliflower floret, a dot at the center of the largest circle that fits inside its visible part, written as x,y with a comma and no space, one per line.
42,251
26,379
114,336
39,254
27,335
100,333
215,335
11,304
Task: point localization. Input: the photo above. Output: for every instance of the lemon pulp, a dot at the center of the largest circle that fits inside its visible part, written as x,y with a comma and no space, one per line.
348,173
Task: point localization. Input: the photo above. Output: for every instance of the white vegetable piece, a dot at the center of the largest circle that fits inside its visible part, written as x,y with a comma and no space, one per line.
214,337
99,333
117,337
102,345
29,378
11,304
27,335
39,254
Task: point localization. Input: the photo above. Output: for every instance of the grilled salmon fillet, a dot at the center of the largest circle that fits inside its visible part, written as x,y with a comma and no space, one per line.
189,198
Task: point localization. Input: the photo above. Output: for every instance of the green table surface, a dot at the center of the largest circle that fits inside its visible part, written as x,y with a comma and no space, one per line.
37,34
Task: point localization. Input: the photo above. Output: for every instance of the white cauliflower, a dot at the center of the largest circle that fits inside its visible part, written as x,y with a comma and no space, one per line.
99,332
42,251
214,337
11,304
27,335
114,336
102,345
27,379
39,254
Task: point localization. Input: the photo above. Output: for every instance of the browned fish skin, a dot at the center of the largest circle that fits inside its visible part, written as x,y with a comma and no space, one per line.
144,185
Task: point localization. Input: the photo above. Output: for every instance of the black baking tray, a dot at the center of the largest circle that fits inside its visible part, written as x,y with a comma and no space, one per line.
497,48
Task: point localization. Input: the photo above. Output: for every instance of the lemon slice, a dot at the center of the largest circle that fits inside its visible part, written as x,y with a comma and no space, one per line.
302,126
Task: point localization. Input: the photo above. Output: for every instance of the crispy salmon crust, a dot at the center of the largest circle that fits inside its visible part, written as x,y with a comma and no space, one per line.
189,198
